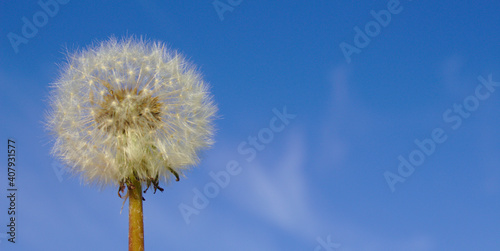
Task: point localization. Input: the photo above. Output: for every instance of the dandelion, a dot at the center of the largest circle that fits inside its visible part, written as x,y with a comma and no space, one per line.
130,113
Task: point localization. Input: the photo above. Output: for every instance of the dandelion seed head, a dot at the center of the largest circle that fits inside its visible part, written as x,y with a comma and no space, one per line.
129,107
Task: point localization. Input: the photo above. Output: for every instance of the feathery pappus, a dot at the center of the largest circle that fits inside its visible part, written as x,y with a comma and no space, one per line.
130,107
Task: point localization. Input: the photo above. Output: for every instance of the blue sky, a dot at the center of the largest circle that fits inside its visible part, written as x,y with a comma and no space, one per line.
322,179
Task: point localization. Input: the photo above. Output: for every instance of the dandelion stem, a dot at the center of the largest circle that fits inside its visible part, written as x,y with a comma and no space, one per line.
136,225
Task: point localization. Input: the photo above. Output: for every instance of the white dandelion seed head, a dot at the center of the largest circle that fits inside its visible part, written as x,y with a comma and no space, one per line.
129,107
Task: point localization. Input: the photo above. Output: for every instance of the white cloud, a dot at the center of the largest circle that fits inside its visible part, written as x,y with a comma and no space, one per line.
279,192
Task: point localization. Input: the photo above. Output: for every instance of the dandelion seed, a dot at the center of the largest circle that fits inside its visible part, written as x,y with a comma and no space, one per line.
145,115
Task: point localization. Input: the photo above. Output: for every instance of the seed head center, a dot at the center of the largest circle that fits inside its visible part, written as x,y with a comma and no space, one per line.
125,109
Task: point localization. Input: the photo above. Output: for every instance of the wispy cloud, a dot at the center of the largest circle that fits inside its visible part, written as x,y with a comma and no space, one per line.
277,189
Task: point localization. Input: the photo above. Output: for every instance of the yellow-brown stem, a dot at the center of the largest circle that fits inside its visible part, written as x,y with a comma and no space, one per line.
136,225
